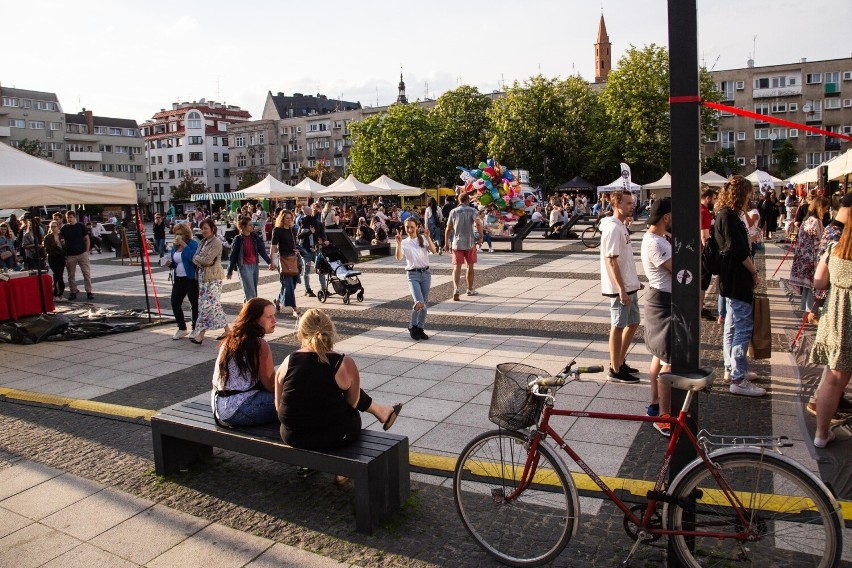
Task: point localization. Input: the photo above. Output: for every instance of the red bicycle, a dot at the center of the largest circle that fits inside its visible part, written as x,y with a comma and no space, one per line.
739,501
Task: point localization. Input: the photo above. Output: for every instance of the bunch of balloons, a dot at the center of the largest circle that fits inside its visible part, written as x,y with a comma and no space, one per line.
490,183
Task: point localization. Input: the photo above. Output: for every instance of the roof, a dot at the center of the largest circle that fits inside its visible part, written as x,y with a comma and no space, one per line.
602,35
205,110
301,105
576,183
102,121
25,94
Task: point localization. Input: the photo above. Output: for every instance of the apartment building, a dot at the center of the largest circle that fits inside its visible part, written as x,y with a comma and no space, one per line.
190,139
32,115
814,93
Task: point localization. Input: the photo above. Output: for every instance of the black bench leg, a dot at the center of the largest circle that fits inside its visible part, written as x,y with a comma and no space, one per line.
517,245
174,454
399,477
371,496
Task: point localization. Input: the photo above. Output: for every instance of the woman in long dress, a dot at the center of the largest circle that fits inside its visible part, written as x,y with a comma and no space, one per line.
209,275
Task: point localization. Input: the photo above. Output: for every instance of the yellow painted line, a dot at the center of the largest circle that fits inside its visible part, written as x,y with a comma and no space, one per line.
78,404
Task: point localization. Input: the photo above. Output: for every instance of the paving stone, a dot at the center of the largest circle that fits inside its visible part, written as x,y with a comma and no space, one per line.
280,556
23,476
33,546
50,496
215,546
88,556
11,522
97,513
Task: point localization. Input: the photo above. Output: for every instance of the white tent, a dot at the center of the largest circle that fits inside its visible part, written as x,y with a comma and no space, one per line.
337,182
350,187
617,185
752,177
713,179
841,166
807,175
29,181
310,185
271,188
664,182
387,186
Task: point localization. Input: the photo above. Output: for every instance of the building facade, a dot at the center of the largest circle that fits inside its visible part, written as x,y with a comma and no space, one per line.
189,140
814,93
32,115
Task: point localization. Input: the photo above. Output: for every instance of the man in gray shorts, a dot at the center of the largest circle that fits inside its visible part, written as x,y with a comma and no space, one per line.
620,283
460,224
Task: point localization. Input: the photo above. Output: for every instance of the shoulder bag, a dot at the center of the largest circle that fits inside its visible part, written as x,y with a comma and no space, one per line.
289,265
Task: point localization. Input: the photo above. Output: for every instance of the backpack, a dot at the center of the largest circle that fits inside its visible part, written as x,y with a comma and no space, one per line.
711,257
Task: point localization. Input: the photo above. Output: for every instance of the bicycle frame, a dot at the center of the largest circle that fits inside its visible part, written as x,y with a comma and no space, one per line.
544,429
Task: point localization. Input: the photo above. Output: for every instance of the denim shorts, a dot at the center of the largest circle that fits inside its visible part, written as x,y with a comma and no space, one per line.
622,316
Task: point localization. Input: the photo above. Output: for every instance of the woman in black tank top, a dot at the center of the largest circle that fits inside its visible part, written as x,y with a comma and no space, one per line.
318,392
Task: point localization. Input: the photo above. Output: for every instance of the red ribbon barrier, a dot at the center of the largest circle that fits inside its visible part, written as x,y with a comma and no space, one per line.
774,120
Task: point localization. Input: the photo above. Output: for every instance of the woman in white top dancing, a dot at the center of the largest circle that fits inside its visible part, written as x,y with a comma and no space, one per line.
416,248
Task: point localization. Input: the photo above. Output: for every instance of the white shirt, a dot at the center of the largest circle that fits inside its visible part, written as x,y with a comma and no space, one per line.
655,251
415,255
536,216
555,217
615,242
177,259
97,228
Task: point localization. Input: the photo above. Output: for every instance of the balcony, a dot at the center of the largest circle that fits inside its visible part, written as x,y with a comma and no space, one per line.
81,137
318,134
832,144
789,91
85,156
5,131
832,89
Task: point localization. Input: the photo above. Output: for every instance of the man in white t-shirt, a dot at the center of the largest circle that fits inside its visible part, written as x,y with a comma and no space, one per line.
620,283
656,256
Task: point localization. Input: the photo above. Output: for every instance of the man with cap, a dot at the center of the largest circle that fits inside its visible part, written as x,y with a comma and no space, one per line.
620,283
656,253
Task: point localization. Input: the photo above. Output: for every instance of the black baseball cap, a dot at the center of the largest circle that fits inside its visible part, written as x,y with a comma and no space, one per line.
846,200
658,209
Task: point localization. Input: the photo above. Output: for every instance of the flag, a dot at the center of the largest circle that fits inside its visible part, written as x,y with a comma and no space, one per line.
626,183
764,181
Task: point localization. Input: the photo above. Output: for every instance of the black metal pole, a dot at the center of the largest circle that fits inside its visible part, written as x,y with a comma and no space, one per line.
686,226
143,257
36,221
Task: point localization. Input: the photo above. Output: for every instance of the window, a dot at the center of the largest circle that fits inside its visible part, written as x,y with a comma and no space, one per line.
226,187
216,187
115,131
740,85
777,108
226,172
761,83
793,107
780,133
55,145
813,78
136,150
215,156
240,141
36,125
216,172
131,132
196,156
741,135
728,139
847,103
224,157
832,78
261,159
261,138
193,120
56,126
215,141
338,162
100,130
105,148
223,126
192,140
814,159
832,104
10,102
121,150
171,159
241,161
761,134
793,133
741,161
180,158
714,137
778,82
224,140
847,75
17,123
761,108
106,167
196,172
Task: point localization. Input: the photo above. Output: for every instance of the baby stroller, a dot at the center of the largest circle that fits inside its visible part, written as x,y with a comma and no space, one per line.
339,276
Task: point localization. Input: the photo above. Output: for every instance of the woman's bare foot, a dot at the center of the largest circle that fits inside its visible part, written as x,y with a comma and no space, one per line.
340,480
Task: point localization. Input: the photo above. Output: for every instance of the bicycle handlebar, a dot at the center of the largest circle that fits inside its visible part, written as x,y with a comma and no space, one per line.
563,375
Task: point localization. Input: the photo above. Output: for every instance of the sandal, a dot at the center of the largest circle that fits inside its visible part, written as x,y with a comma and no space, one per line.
397,408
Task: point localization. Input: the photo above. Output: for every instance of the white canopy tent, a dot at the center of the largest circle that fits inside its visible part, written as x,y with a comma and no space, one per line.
841,166
752,177
349,187
311,185
27,181
662,187
271,188
337,182
713,179
807,175
617,185
386,186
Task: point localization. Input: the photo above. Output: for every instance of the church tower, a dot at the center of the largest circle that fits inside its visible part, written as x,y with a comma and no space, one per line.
401,98
603,54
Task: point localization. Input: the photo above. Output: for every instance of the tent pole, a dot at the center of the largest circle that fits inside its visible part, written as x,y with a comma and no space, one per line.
140,232
38,244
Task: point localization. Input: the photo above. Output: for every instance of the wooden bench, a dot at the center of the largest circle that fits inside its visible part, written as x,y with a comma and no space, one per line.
377,462
350,249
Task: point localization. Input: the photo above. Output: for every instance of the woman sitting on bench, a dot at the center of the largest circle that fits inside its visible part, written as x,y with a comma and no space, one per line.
244,377
318,392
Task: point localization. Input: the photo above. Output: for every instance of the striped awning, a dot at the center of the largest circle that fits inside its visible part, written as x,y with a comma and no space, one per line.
218,196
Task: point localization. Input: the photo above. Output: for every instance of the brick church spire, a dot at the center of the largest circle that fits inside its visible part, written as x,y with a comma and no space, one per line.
603,54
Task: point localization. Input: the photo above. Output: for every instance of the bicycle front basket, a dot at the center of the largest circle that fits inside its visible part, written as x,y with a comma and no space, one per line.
512,406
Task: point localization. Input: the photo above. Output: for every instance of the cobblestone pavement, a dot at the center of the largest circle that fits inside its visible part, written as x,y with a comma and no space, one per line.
443,409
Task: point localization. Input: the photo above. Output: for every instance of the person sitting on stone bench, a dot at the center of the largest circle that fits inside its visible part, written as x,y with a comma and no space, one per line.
365,234
318,392
244,376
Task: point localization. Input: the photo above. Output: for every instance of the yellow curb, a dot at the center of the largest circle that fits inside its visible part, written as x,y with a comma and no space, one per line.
88,405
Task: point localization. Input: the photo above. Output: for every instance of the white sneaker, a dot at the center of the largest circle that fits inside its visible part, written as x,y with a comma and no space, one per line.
472,293
750,375
180,334
746,388
491,249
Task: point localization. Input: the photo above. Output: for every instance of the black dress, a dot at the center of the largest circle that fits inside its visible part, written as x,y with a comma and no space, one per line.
313,410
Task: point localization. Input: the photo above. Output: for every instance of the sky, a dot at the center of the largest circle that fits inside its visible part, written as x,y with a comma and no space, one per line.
130,59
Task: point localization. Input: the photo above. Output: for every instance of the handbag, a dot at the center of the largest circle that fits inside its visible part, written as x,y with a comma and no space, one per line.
289,265
5,255
761,336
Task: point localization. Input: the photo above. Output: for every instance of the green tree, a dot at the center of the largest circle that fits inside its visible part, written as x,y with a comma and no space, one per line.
186,188
785,157
636,103
32,147
397,143
249,179
550,127
460,123
723,160
321,173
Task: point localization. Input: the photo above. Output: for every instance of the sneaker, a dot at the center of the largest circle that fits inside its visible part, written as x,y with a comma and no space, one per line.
652,410
491,249
823,442
90,296
305,472
310,294
663,428
750,375
622,377
746,388
72,296
840,417
625,368
455,295
180,334
472,293
412,331
707,314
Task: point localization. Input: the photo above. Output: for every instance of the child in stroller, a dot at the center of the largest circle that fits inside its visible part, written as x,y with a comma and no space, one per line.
340,278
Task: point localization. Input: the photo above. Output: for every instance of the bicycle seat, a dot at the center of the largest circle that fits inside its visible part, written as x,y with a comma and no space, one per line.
694,381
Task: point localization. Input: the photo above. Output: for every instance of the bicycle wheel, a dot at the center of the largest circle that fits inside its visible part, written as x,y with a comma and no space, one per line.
533,527
791,518
591,237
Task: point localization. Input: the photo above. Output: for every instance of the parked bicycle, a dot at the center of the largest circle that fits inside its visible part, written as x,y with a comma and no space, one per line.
739,501
591,236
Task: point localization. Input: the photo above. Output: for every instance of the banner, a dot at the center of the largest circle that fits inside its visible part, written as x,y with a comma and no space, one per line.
626,183
764,180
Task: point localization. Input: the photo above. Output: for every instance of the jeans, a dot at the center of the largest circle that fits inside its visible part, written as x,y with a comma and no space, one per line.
287,296
436,233
57,266
248,278
9,262
257,409
184,287
739,323
487,238
807,301
419,284
307,262
161,247
721,305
